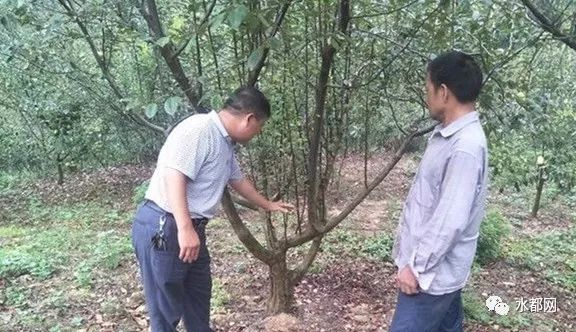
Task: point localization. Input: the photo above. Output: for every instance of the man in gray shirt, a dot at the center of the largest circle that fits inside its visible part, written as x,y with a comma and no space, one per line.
194,166
438,231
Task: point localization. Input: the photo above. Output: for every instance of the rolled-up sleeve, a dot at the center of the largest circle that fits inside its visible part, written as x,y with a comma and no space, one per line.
451,216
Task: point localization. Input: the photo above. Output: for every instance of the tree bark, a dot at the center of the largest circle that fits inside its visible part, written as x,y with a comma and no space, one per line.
168,51
302,269
550,26
281,288
328,52
539,189
243,233
60,167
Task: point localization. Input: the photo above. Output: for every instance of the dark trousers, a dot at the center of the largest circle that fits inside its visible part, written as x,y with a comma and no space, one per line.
428,313
174,290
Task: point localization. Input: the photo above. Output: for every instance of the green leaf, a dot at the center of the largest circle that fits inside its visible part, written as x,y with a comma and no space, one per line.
162,41
171,105
216,99
217,20
275,43
237,16
131,104
20,4
178,24
151,110
254,58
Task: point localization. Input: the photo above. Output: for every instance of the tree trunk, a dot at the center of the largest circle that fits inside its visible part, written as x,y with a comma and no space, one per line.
281,288
59,161
541,180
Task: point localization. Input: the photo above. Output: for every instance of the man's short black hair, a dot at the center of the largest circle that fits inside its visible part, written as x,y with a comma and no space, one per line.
459,72
248,99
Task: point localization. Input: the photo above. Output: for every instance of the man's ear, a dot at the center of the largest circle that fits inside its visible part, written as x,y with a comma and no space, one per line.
444,92
251,116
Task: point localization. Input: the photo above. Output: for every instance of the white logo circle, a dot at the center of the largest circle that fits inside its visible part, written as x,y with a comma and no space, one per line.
492,301
502,309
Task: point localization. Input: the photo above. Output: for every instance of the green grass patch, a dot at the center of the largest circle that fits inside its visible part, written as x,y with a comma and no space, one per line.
10,231
15,296
75,238
9,181
140,192
106,253
342,241
493,230
379,247
41,253
68,248
220,297
75,215
475,310
551,255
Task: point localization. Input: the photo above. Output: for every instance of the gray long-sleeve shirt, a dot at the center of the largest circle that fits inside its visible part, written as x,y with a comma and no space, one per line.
438,231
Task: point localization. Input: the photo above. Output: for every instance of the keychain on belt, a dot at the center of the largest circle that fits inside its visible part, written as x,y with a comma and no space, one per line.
158,240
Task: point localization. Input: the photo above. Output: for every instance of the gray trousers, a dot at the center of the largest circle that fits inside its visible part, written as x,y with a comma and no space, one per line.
174,290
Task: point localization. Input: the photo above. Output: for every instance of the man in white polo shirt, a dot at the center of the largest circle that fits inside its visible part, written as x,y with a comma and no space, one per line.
194,166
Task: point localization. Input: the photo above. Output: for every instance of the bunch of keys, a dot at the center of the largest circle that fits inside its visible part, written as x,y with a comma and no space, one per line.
158,240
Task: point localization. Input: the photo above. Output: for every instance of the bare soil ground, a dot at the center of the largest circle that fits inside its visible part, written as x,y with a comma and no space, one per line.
345,292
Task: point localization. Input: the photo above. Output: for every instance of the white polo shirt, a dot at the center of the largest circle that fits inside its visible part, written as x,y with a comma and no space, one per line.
200,148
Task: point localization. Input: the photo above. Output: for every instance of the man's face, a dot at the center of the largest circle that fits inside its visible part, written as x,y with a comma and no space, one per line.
248,127
434,99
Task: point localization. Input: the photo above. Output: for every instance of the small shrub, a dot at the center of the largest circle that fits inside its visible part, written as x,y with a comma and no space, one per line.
475,308
379,247
220,296
140,192
14,264
493,230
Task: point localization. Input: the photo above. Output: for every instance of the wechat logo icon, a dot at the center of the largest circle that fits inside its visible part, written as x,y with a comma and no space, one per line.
494,303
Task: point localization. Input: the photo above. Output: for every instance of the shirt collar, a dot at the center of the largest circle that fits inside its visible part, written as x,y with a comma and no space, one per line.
457,125
218,122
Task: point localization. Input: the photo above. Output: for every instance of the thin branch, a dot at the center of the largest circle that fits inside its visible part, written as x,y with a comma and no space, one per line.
202,23
360,197
105,72
214,54
388,12
412,34
299,272
243,232
549,26
150,14
511,57
393,109
328,52
311,232
255,73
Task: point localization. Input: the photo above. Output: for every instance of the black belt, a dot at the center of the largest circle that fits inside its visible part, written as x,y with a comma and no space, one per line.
155,207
